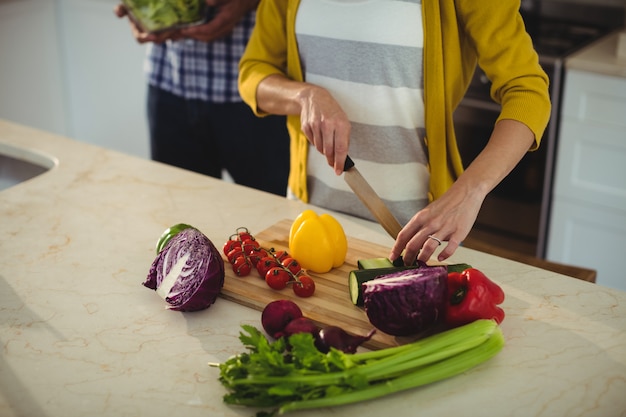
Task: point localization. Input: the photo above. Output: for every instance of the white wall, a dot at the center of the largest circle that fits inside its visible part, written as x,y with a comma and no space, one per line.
31,80
72,67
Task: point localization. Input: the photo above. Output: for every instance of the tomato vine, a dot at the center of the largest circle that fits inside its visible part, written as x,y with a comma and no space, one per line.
277,268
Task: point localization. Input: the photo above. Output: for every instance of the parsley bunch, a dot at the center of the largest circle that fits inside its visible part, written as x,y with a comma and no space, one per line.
291,374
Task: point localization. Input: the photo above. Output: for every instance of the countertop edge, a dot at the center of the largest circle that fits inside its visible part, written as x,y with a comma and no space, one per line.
600,57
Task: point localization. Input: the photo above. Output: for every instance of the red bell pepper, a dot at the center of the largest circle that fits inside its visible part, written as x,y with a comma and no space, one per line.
472,296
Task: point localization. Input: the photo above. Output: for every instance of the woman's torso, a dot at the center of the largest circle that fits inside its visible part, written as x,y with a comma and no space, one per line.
368,54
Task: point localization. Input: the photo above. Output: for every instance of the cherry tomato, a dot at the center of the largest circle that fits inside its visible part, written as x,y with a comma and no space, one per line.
242,266
265,264
277,278
248,245
280,255
230,245
234,254
244,235
256,254
304,286
292,265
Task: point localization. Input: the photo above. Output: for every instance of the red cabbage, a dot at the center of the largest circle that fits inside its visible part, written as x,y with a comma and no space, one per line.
188,273
407,302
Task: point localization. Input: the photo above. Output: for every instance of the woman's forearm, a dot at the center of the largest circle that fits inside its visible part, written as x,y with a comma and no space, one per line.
509,142
278,94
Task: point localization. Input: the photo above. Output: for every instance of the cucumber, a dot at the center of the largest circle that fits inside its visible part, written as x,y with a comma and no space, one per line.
381,263
458,267
372,263
357,277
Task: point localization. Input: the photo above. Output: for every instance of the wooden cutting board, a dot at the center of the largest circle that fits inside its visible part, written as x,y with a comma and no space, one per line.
330,305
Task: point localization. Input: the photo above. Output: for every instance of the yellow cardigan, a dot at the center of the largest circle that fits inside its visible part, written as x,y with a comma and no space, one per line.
488,32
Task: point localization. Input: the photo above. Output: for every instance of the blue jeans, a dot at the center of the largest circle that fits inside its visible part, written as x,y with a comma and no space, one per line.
210,137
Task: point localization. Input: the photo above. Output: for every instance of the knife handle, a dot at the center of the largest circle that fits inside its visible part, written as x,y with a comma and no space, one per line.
348,164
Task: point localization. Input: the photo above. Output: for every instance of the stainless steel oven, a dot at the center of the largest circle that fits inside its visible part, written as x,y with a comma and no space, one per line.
515,214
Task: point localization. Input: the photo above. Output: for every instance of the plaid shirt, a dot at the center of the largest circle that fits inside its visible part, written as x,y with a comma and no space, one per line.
200,70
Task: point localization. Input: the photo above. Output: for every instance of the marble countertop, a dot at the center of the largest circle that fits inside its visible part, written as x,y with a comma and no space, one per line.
601,56
82,337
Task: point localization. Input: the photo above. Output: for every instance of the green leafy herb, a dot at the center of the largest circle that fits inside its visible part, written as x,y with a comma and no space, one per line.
156,15
291,374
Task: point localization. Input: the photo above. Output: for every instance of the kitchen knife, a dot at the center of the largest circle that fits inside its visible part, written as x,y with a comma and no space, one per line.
370,199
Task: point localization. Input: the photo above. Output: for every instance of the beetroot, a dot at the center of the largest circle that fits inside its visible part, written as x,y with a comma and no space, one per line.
301,325
283,318
277,315
336,337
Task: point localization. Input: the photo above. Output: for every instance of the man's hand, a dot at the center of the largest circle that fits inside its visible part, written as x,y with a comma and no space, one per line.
142,37
228,13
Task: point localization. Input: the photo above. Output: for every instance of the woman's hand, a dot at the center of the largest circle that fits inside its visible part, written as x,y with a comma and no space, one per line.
143,37
448,219
325,125
451,217
323,121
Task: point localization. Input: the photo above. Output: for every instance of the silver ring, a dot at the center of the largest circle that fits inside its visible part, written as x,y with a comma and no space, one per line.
434,238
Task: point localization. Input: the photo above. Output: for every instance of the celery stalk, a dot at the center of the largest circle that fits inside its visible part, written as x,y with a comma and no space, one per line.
434,372
446,337
386,363
304,378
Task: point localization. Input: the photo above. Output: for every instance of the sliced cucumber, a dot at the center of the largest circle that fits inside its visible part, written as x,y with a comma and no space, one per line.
372,263
458,267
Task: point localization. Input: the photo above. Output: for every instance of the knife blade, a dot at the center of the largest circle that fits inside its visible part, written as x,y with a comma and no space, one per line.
364,191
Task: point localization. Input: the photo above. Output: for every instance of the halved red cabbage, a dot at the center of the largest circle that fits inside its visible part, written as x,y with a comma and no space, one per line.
407,302
188,273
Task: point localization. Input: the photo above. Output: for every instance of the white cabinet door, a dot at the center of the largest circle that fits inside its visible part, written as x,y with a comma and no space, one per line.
589,236
592,163
588,215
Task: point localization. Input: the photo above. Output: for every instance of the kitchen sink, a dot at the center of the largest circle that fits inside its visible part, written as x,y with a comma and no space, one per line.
18,165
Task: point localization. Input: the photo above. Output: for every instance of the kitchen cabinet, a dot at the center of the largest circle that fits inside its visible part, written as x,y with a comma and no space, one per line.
588,217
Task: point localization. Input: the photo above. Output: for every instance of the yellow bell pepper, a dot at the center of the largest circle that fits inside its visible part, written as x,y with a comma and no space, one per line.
318,243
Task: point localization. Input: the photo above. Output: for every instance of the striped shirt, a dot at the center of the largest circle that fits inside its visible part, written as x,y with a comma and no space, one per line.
368,55
199,70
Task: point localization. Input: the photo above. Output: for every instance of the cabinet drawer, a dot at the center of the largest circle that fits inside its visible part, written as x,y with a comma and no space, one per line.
591,164
590,237
595,98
